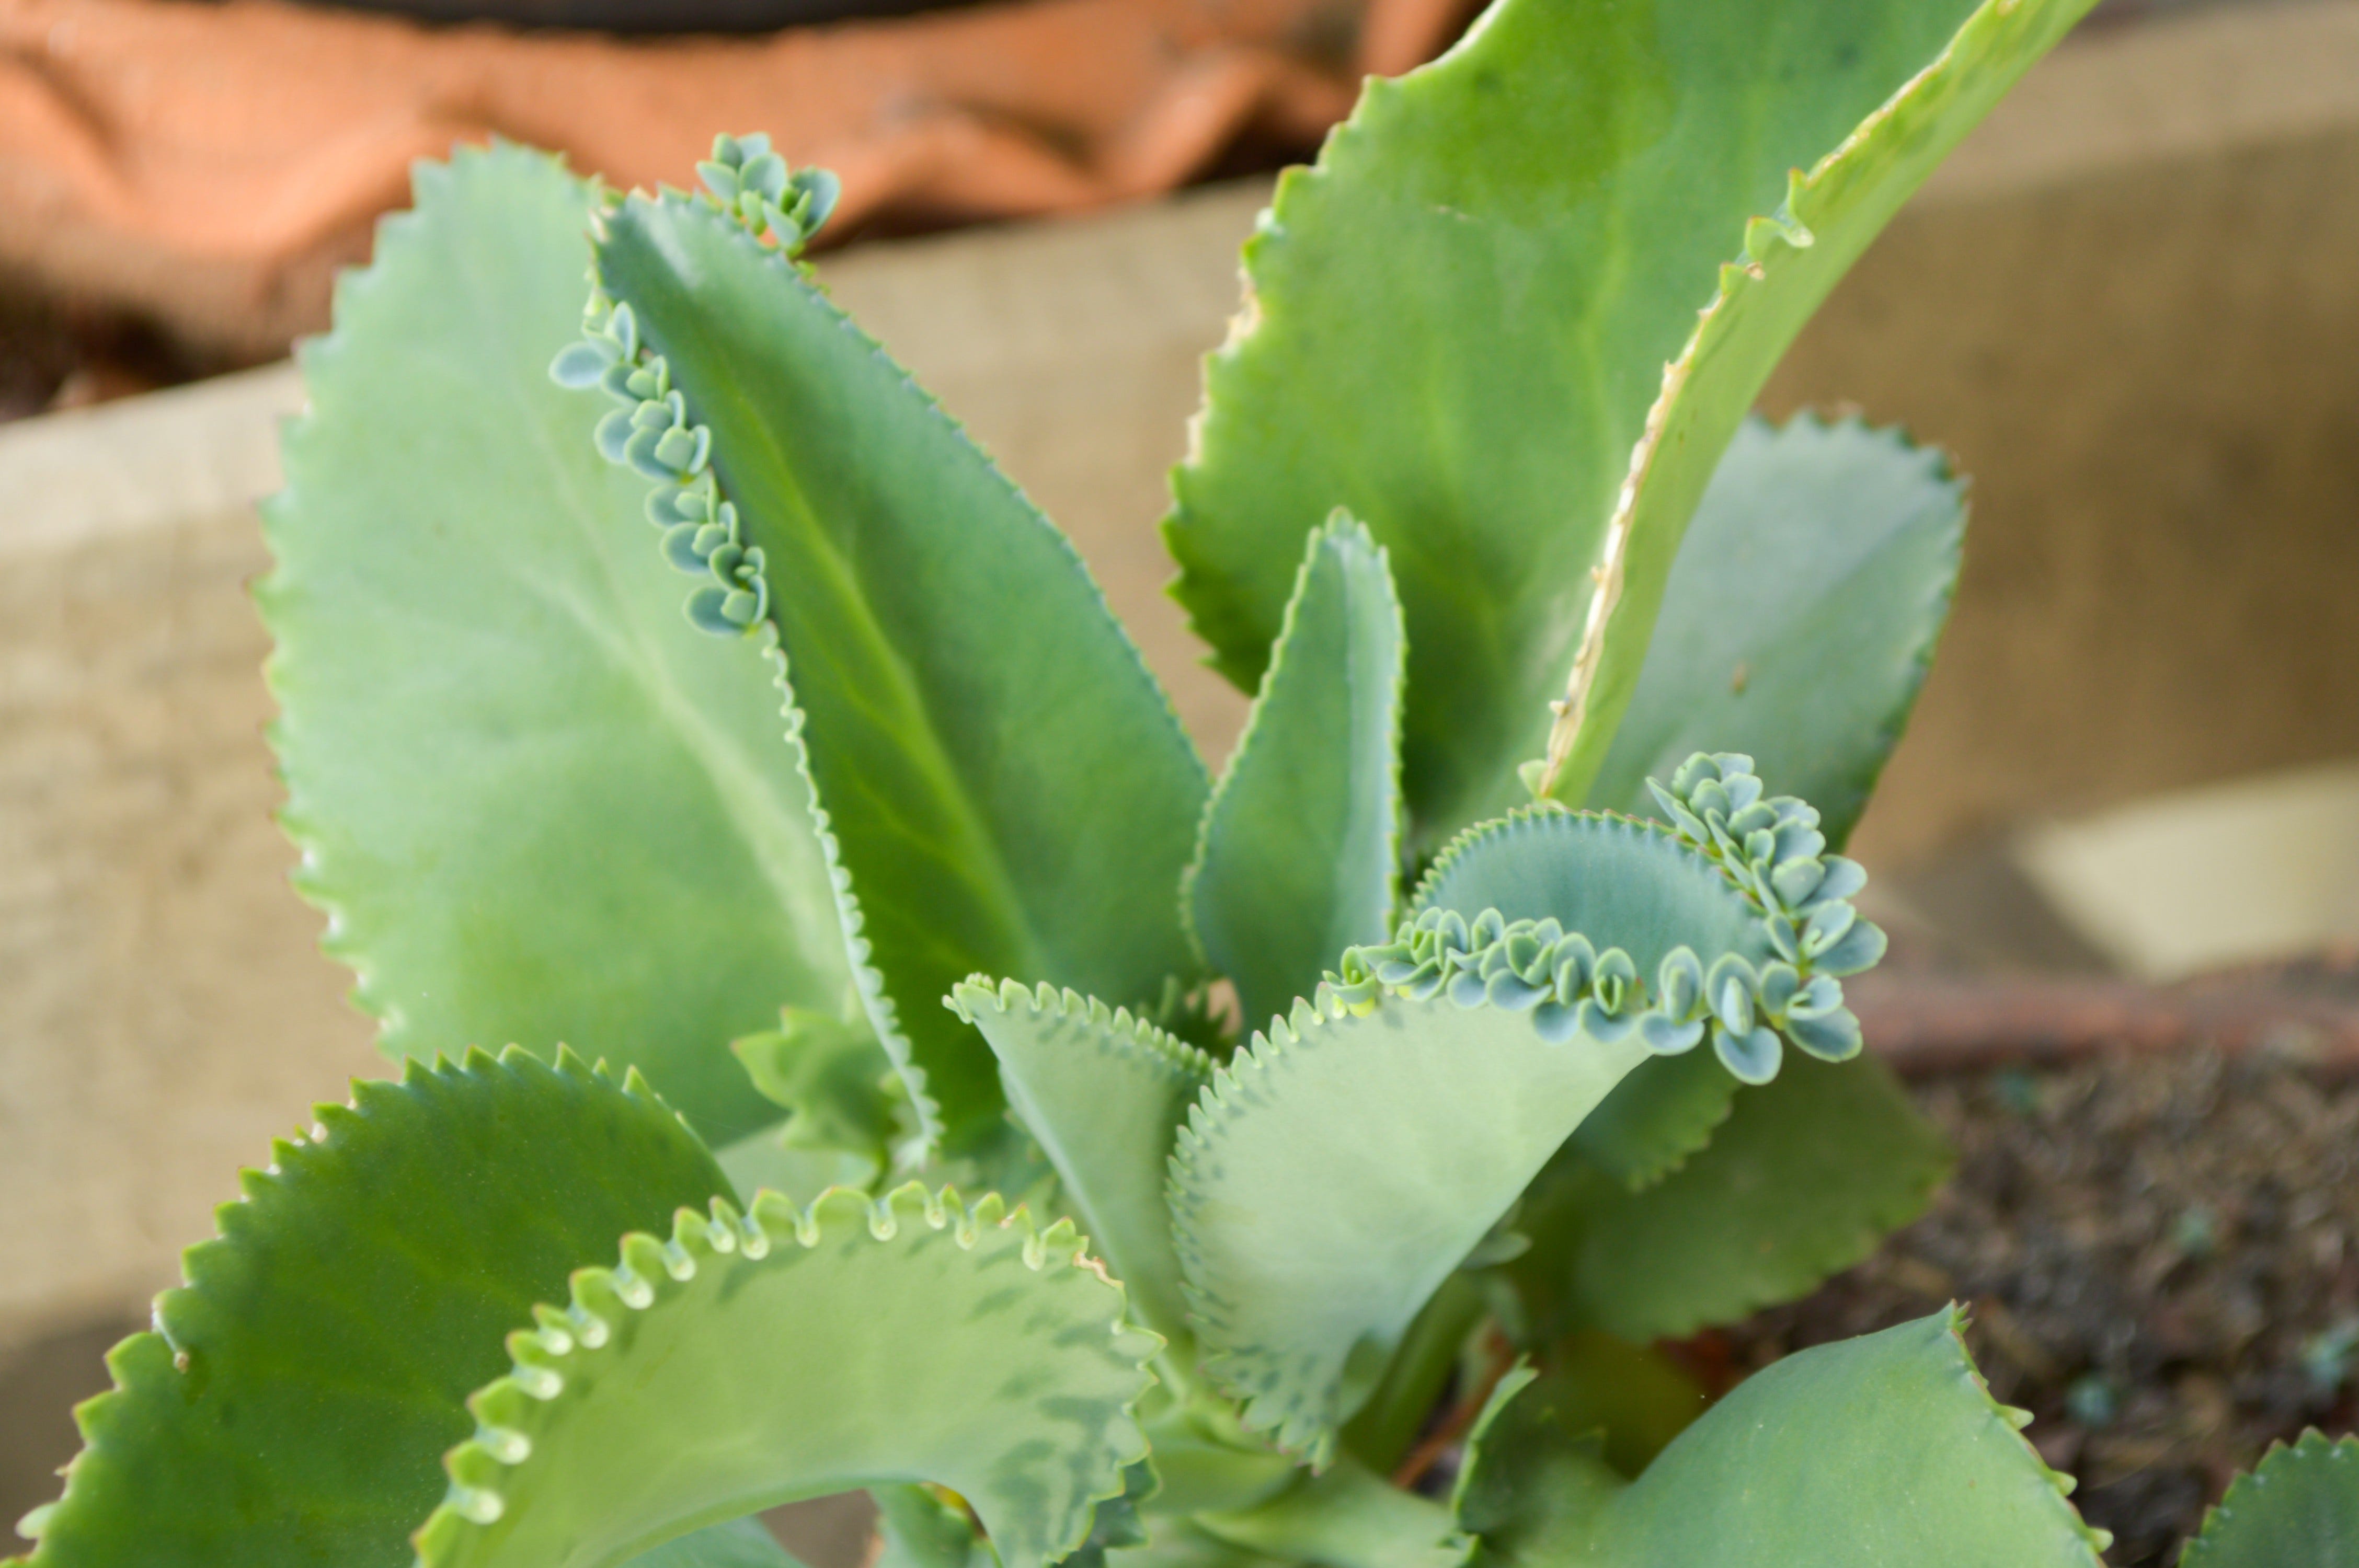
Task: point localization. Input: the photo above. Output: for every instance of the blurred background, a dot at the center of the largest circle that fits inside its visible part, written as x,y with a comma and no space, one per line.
2118,848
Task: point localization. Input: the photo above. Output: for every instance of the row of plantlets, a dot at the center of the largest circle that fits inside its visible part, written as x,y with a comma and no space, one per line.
1009,1216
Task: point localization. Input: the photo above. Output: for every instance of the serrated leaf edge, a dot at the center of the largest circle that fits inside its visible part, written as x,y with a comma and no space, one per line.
650,1269
1767,241
1144,1038
1340,524
2014,1420
2311,1446
287,1155
688,495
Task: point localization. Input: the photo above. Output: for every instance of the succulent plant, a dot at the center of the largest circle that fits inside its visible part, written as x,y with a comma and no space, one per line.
1379,1108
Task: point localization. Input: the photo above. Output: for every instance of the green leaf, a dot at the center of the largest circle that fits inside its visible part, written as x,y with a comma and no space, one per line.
740,1543
1628,1394
1300,853
1347,1517
1104,1093
1799,617
829,1073
1789,263
1340,1169
1873,1452
791,1353
1535,1479
1729,924
535,805
916,1528
2297,1509
1656,1117
1456,323
293,1404
1005,788
1806,1177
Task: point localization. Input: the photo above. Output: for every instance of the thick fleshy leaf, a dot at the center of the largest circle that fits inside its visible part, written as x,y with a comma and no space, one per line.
1656,1117
828,1074
1457,322
740,1543
1004,786
1104,1094
1789,263
2297,1509
536,806
294,1404
1415,1123
1873,1452
1808,1175
1730,925
753,1360
1347,1517
1799,617
1299,856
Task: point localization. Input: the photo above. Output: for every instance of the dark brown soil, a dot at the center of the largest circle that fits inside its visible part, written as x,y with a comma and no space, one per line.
2161,1250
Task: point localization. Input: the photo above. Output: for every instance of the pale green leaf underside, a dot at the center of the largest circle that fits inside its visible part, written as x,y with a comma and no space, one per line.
354,1299
1299,855
537,807
1460,317
740,1543
1342,1167
1787,266
1104,1094
1804,1179
788,1354
1873,1452
2297,1509
1799,616
1005,785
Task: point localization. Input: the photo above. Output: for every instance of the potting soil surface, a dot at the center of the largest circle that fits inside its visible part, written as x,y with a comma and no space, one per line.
2161,1253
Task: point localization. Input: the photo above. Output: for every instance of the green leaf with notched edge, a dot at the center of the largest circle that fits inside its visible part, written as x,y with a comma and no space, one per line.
536,806
1808,1175
1347,1517
1004,787
2297,1509
1534,1477
740,1543
829,1073
1300,853
1340,1168
1456,322
753,1360
1656,1117
1871,1452
1799,617
1789,263
296,1401
1104,1093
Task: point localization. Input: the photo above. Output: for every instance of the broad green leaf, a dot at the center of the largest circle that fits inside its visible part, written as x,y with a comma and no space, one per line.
295,1401
536,806
829,1073
1629,1394
1457,322
752,1361
1347,1517
1340,1169
1534,1478
1875,1451
740,1543
1004,787
2297,1509
1656,1117
1299,854
1104,1093
1799,616
917,1528
1789,263
1730,922
1808,1175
